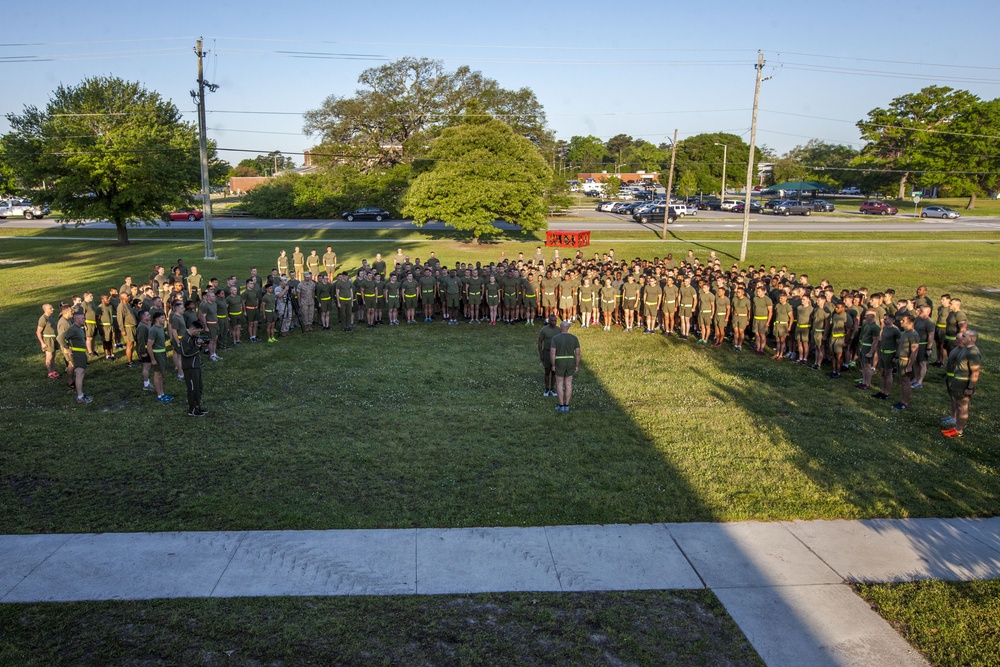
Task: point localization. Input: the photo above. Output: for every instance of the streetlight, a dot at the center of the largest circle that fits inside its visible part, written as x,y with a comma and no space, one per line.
725,153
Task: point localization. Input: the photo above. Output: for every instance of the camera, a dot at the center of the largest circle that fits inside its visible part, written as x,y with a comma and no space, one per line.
202,339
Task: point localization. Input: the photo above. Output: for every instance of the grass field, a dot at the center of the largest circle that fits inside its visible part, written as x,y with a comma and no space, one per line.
954,624
445,426
637,628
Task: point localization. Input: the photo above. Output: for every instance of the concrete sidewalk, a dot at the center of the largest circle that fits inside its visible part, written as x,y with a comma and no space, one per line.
784,583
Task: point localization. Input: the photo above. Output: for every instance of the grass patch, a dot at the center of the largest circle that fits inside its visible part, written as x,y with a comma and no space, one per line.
636,628
434,426
952,623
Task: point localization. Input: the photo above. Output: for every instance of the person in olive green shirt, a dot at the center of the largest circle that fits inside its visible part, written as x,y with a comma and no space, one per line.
45,332
818,330
836,333
763,311
299,264
706,312
868,334
964,367
545,336
564,355
344,291
955,323
741,317
630,300
330,262
269,305
156,349
723,309
670,296
888,355
803,328
324,300
76,342
784,320
909,348
313,263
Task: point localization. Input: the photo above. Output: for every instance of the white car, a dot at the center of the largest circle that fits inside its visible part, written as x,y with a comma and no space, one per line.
851,191
679,210
728,205
608,205
939,212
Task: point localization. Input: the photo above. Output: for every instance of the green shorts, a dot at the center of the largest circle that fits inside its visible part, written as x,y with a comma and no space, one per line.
780,331
270,316
453,300
213,330
79,359
685,311
50,343
759,326
802,334
565,367
161,361
629,304
324,305
705,319
740,323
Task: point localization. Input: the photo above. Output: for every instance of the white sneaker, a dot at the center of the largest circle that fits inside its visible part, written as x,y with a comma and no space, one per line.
180,377
215,357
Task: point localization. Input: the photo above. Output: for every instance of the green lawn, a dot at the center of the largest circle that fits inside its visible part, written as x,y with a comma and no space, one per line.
445,426
953,624
637,628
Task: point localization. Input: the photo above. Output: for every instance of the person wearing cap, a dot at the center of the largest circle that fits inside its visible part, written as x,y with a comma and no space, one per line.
156,349
964,367
545,336
564,355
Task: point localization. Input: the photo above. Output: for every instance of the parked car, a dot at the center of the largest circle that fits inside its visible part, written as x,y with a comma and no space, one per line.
755,207
620,207
823,206
877,208
727,205
939,212
851,191
708,204
23,208
367,212
601,204
771,203
655,216
190,215
792,207
679,210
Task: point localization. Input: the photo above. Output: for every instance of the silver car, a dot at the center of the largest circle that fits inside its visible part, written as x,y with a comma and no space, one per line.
939,212
22,208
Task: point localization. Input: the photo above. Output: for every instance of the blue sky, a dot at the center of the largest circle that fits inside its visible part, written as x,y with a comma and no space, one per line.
597,68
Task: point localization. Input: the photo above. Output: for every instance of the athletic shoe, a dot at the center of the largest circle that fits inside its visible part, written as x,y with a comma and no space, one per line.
937,364
181,377
880,396
953,434
863,386
84,399
916,385
164,398
833,375
716,344
130,365
147,387
737,348
900,406
215,357
948,421
197,413
559,408
814,367
53,375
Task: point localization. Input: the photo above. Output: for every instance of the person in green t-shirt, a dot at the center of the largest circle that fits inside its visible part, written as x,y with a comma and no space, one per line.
964,367
156,348
784,320
324,300
721,316
630,300
269,305
344,290
909,347
888,355
836,334
545,336
763,311
564,354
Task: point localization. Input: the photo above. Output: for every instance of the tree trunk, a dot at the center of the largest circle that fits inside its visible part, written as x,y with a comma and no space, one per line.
122,229
972,202
902,187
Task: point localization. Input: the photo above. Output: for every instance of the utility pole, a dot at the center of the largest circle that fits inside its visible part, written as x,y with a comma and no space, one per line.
725,157
206,200
670,183
753,144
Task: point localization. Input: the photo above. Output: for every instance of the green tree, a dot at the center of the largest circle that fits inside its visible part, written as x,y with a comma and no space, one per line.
107,149
903,140
612,186
972,151
404,104
8,179
687,184
818,161
243,170
699,155
477,173
587,154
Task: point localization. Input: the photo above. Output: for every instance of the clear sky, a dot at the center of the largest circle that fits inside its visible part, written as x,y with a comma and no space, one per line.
597,68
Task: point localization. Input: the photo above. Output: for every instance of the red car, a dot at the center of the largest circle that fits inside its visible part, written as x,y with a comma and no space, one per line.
877,208
192,215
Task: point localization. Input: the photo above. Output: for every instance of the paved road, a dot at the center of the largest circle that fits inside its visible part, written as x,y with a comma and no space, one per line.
706,221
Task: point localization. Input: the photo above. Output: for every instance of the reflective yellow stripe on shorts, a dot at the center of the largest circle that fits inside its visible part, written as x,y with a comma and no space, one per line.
569,357
159,350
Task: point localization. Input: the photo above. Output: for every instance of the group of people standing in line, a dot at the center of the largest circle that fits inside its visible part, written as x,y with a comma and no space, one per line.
810,325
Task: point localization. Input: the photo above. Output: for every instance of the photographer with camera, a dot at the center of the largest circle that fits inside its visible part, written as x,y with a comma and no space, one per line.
192,343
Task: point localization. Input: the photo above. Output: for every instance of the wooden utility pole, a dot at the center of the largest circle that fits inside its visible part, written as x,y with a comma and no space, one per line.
753,144
670,184
206,197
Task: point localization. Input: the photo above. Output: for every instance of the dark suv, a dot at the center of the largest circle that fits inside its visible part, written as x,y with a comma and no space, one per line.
877,208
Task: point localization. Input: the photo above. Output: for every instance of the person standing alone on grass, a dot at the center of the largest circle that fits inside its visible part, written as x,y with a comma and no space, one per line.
190,352
545,336
565,359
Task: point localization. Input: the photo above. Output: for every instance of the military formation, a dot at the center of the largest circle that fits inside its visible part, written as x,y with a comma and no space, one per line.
770,310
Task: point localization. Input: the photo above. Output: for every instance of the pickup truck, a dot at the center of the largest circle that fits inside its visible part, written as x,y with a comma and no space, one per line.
22,208
792,207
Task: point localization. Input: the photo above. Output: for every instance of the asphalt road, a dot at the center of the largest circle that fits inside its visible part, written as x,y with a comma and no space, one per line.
707,221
